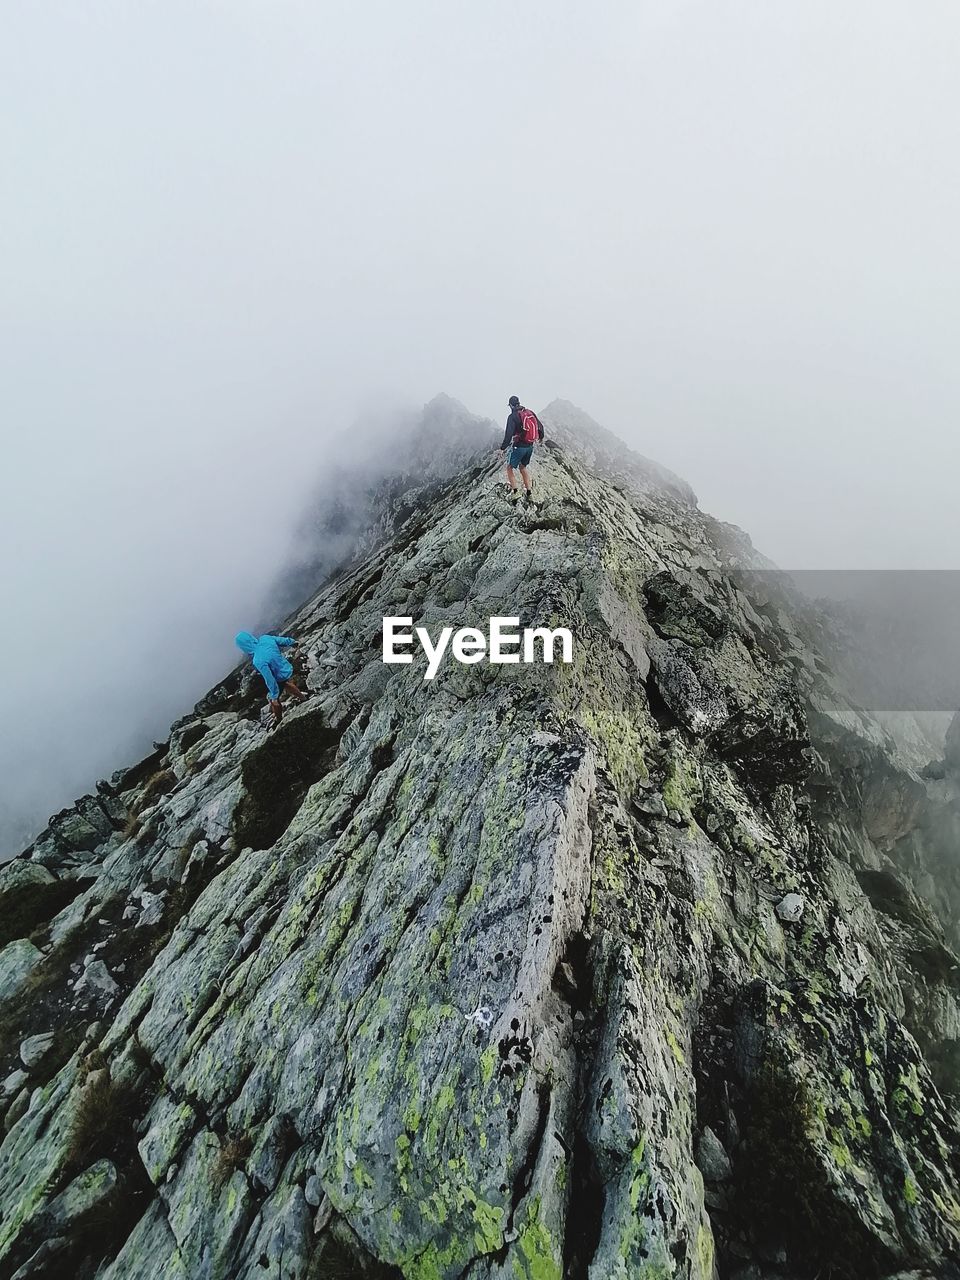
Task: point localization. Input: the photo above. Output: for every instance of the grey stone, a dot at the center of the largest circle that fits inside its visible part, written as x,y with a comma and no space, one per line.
18,1107
790,908
323,1215
35,1048
14,1082
712,1158
152,912
687,685
18,959
79,833
21,874
89,1193
270,1152
650,802
96,975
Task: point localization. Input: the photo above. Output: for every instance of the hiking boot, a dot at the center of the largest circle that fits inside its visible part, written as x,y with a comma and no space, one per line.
528,497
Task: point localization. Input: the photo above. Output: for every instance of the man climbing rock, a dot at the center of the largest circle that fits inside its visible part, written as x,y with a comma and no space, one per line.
522,432
273,666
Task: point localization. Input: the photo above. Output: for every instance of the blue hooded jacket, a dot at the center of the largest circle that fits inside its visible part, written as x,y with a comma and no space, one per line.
267,658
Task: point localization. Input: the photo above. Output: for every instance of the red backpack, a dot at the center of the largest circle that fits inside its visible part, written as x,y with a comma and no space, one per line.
529,427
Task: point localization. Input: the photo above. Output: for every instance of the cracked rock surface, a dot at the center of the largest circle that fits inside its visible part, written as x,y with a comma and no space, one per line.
491,975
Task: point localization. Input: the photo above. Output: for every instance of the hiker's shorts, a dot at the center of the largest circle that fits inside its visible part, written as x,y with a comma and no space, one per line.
282,671
520,455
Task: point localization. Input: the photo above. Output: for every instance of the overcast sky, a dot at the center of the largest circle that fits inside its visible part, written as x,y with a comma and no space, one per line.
727,230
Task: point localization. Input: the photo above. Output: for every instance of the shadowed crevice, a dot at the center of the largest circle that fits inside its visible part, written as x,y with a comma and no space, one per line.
278,774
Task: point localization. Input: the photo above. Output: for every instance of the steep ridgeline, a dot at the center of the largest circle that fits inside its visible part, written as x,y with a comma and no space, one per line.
372,477
632,967
363,494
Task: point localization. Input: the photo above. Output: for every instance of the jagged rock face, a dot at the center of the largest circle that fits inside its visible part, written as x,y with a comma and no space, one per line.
486,975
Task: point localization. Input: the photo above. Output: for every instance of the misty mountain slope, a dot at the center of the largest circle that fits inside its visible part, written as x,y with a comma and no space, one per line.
360,494
612,969
362,482
605,453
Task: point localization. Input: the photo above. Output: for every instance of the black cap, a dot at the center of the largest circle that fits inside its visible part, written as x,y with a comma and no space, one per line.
514,402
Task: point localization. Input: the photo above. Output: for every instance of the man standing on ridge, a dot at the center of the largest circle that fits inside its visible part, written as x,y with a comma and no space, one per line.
522,432
272,665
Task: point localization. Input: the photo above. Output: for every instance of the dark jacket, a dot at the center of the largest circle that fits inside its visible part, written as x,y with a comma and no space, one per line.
515,426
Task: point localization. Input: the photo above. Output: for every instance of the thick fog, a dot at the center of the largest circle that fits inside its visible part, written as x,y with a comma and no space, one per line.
229,233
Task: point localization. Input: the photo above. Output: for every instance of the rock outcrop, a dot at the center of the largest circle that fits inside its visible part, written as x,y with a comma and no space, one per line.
622,968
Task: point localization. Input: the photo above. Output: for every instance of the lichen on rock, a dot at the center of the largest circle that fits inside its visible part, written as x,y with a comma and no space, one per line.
491,976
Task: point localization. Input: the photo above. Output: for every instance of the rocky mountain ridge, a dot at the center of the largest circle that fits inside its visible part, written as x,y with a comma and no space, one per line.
639,967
